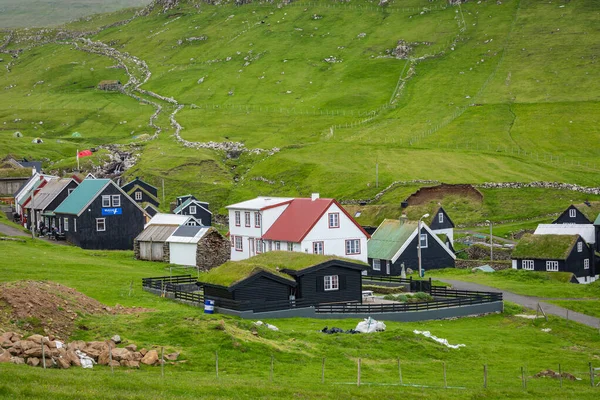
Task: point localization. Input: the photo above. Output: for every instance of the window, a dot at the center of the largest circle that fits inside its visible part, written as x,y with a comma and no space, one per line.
116,200
579,247
138,195
105,201
551,265
66,226
193,210
334,220
237,218
353,246
290,246
69,191
238,243
317,247
441,218
527,264
376,265
75,224
572,213
423,240
257,218
332,282
259,247
277,245
100,224
191,223
586,263
247,218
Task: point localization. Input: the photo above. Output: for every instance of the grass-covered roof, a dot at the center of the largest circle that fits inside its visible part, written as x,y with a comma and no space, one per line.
273,262
545,247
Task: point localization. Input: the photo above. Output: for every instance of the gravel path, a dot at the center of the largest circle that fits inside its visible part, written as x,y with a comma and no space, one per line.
10,231
527,301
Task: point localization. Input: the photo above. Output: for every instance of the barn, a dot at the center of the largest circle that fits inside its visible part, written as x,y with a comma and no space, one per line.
198,246
152,244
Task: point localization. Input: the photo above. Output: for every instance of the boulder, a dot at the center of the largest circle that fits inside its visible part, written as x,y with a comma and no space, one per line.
114,363
150,358
63,363
17,360
37,352
5,356
121,354
172,356
116,339
26,345
137,356
5,343
130,364
76,345
94,353
6,337
104,357
33,361
143,352
36,338
131,347
97,345
73,358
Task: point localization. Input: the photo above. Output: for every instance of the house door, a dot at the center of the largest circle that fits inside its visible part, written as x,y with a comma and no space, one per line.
387,267
251,247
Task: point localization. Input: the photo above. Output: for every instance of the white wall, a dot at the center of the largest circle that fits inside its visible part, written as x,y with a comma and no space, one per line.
448,232
183,253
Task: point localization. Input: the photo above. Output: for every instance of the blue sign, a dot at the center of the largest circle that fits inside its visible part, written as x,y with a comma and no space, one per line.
112,211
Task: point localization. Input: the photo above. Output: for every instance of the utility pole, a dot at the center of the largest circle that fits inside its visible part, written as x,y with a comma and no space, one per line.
491,240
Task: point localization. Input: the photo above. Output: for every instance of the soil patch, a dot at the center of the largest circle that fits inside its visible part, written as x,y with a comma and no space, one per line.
427,194
49,308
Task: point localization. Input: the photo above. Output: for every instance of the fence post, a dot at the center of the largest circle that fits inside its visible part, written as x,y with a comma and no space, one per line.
271,374
524,383
445,382
358,375
44,355
112,369
591,375
323,371
560,375
217,363
485,376
400,371
162,362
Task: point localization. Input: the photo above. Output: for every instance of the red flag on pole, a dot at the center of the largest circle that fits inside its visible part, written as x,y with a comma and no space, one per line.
84,153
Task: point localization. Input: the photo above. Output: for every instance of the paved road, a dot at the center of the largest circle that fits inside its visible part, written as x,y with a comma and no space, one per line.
10,231
527,301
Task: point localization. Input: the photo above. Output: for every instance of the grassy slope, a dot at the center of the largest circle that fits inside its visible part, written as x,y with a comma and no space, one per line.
503,342
518,115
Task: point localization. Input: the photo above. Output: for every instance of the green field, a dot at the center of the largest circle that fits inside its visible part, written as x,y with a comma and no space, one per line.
503,342
487,92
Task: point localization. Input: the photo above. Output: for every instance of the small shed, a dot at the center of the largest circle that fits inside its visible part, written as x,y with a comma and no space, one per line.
199,246
152,244
110,85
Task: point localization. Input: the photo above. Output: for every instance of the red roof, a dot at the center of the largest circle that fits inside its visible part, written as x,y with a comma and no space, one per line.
300,217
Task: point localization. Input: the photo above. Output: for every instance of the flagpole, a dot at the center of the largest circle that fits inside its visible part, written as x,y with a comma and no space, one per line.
77,160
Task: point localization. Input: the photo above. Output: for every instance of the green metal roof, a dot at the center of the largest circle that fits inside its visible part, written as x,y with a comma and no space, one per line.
545,247
81,196
182,205
389,238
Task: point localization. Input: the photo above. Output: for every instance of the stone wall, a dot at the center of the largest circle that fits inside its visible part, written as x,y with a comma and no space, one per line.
469,264
166,252
213,250
136,249
481,252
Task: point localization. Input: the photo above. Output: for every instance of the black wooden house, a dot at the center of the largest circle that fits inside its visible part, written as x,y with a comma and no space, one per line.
142,192
48,198
556,253
395,242
278,277
573,215
189,205
100,215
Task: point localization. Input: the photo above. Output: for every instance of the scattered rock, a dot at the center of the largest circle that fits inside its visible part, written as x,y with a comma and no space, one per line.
63,363
5,357
131,347
17,360
33,361
150,358
172,356
114,363
116,339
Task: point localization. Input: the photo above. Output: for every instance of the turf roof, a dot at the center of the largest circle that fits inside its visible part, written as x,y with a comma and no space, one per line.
389,238
545,247
235,271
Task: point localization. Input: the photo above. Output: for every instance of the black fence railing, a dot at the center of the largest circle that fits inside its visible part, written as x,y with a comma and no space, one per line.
416,285
444,298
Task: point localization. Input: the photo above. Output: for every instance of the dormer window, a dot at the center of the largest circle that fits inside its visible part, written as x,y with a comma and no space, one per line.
572,213
441,218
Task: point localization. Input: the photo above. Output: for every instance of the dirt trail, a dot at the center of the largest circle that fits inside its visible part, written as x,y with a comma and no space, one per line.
11,231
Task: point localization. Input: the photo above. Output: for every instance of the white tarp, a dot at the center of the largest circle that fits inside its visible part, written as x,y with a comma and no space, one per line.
370,325
86,361
437,339
269,326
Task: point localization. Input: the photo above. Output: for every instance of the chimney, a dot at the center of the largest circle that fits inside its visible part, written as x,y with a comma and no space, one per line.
314,196
403,219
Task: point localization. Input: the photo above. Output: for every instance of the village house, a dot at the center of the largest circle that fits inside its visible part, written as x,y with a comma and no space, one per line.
46,199
189,205
554,253
308,225
100,215
24,193
277,277
142,192
441,224
396,243
152,244
580,214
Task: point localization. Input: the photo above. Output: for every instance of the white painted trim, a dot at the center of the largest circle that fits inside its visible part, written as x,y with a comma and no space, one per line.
413,235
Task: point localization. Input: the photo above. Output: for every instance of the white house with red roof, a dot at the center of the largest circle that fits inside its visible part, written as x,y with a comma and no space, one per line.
310,225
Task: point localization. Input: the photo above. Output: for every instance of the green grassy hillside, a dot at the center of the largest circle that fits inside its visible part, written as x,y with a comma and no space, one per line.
486,92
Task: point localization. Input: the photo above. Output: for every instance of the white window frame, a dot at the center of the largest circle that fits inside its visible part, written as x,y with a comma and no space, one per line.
376,264
239,243
579,247
290,246
100,221
334,220
247,219
441,218
528,265
116,200
258,245
138,195
318,247
193,210
552,266
277,245
66,224
352,246
75,224
572,213
257,219
331,282
238,218
105,201
69,191
586,263
423,238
